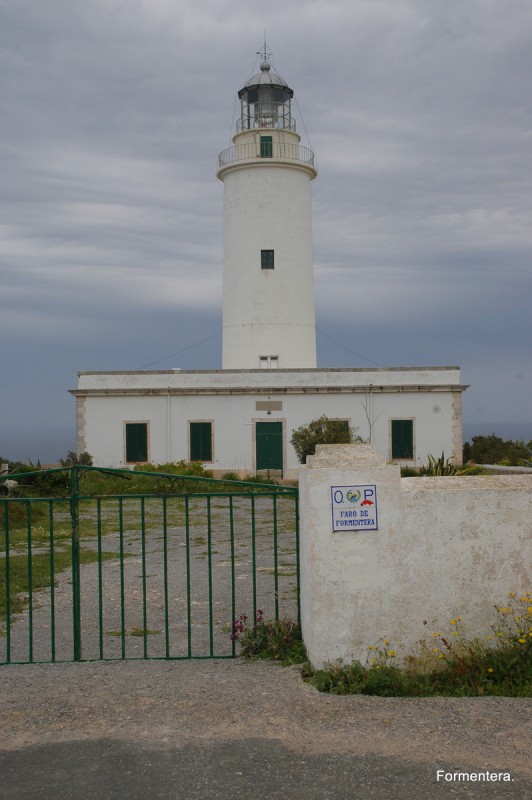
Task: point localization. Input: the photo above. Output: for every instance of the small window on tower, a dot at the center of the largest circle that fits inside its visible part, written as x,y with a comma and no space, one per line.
266,259
269,362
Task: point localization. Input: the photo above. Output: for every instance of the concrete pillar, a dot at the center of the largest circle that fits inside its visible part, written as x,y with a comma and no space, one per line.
342,571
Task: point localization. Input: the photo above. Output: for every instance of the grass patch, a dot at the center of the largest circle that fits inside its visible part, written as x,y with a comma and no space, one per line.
134,632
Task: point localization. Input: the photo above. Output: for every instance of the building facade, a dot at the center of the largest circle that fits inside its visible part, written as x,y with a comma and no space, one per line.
242,421
241,418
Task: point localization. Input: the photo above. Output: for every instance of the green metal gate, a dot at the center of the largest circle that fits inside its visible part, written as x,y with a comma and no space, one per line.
116,564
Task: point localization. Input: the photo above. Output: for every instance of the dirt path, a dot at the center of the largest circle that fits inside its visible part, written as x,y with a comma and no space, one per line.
217,707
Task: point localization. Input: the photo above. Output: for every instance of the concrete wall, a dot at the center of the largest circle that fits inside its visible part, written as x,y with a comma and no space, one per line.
444,547
235,401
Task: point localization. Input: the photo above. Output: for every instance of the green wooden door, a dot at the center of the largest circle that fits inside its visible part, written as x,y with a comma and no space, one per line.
269,443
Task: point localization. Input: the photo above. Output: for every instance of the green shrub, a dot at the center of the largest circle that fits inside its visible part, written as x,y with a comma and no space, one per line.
192,468
230,476
494,450
260,479
474,469
74,459
321,431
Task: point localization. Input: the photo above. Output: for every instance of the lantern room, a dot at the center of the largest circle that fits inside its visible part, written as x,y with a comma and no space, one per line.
265,102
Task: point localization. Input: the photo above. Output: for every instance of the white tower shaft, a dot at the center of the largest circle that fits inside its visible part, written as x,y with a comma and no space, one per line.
268,295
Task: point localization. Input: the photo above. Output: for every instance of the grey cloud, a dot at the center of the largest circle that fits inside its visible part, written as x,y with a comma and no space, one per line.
111,237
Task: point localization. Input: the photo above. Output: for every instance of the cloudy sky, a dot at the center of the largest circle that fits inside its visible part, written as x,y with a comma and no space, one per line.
113,114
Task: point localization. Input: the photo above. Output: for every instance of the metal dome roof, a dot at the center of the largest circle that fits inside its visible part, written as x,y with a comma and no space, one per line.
265,78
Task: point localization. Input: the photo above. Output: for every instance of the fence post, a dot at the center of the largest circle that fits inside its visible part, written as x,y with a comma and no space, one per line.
76,599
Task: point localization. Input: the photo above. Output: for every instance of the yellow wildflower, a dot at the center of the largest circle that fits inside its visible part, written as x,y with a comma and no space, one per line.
521,641
386,641
372,647
489,638
435,650
453,622
441,655
490,669
391,653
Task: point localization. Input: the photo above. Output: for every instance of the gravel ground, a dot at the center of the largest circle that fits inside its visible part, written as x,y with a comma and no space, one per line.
211,727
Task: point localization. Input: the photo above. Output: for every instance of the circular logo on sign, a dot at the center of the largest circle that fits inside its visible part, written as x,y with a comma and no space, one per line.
353,497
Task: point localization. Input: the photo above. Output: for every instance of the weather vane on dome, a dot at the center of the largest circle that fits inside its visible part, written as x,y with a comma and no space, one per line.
265,53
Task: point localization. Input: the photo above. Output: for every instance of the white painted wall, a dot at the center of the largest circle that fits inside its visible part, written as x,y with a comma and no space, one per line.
445,547
374,379
267,206
169,400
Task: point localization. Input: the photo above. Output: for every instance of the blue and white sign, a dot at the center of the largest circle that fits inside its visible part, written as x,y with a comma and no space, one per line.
354,508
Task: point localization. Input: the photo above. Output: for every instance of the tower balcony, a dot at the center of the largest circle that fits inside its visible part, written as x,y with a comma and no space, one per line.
275,151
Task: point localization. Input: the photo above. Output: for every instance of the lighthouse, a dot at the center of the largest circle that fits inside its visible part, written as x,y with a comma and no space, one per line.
240,418
268,275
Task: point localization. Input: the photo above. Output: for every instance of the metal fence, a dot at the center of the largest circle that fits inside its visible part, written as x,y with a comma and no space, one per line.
86,575
250,151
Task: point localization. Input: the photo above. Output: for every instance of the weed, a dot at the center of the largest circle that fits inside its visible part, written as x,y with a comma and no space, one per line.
133,632
439,466
276,639
454,666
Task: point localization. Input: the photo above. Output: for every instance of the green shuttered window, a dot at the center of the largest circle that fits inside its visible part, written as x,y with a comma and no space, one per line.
201,441
136,442
402,438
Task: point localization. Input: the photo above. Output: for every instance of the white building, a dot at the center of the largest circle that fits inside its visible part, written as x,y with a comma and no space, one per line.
241,418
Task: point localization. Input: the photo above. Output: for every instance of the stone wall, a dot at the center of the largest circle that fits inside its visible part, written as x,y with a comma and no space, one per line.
444,547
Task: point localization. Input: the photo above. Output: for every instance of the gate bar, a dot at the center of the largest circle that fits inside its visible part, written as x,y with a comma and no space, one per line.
52,576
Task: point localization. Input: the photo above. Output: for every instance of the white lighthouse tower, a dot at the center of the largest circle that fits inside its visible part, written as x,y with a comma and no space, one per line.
268,279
